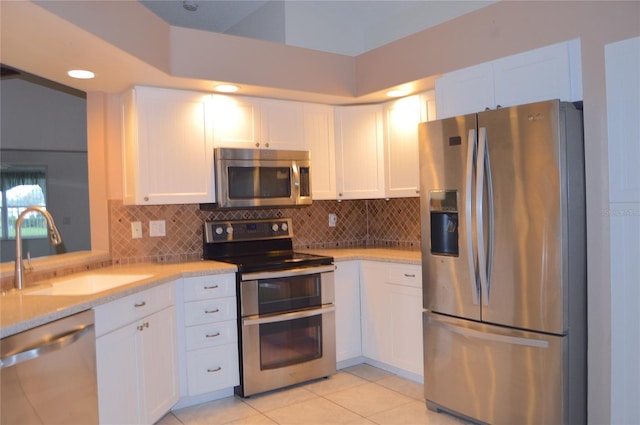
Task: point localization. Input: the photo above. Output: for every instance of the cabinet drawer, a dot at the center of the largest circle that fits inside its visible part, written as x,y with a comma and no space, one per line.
132,307
405,275
208,311
211,334
207,287
212,369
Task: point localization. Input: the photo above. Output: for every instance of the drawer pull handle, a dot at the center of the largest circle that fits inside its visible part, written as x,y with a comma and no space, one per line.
213,335
142,326
142,304
211,287
409,275
212,311
218,369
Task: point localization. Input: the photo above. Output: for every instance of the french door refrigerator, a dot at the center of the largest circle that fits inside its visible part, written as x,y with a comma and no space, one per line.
504,265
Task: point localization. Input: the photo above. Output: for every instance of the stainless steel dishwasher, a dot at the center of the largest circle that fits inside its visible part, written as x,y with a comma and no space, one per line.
48,374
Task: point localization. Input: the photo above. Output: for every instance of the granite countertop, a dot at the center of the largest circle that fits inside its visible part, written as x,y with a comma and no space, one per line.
20,311
374,254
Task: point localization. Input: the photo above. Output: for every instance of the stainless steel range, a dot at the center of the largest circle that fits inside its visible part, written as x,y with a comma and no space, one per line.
286,311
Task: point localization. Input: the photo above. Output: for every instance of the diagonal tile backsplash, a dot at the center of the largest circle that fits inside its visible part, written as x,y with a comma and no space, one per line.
393,223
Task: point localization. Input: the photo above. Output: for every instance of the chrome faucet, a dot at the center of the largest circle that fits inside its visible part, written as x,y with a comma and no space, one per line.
54,238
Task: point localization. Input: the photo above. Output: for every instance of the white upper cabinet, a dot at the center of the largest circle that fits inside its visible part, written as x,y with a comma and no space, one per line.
359,152
319,140
551,72
167,147
249,122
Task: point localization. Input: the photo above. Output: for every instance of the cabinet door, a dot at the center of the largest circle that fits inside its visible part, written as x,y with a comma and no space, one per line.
465,91
359,152
537,75
401,118
168,147
158,364
405,338
281,124
236,122
374,314
117,370
347,300
319,140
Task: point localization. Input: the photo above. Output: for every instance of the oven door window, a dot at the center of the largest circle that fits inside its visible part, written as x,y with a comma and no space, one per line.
289,293
290,342
259,182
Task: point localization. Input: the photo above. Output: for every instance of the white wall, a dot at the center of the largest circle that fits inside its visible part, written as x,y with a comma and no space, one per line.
623,123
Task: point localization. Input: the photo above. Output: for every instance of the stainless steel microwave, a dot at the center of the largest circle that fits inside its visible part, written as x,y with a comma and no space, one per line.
249,178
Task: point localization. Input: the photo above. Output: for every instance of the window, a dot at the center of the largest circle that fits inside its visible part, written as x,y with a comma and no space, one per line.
22,187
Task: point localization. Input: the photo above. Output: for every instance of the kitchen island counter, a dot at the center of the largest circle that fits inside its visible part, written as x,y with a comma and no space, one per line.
20,311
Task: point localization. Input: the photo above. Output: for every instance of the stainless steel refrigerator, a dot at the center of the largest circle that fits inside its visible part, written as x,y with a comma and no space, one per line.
504,265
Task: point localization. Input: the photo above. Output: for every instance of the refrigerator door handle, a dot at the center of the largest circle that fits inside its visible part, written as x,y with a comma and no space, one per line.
480,180
488,336
471,150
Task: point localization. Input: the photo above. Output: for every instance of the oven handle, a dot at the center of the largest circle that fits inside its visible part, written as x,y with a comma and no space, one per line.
256,320
289,272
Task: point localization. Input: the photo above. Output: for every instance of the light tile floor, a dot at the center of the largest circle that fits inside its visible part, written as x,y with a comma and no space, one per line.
360,394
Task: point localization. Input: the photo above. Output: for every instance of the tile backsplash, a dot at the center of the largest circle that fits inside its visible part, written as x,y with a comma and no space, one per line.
361,223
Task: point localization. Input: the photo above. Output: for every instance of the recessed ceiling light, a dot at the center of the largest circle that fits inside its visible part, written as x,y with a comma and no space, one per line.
190,6
81,74
397,93
227,88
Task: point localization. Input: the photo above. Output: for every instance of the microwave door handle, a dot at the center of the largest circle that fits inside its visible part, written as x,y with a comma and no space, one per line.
296,181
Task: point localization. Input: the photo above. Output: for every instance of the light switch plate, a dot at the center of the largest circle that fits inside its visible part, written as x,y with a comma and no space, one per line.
157,228
136,230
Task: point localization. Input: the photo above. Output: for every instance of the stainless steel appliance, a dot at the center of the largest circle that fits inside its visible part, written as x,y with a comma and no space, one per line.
286,306
248,178
48,374
504,269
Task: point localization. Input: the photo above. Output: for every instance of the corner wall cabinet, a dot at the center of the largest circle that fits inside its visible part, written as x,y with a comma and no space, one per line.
392,315
359,152
256,123
319,140
207,336
167,147
551,72
401,158
136,357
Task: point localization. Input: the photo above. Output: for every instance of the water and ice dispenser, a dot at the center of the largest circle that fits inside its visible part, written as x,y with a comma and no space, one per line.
443,206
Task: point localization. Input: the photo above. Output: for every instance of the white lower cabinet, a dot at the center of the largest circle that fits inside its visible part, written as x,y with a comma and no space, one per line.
136,357
391,315
347,301
207,337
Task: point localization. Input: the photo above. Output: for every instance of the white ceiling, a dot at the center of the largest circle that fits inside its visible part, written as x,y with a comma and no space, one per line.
345,26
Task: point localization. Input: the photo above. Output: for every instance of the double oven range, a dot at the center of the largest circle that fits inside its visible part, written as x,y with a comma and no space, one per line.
286,311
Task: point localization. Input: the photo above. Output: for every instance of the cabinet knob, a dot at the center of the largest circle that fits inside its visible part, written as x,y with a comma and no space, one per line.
267,145
146,199
257,145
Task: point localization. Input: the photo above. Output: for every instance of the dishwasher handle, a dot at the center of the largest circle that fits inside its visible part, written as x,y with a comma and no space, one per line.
58,342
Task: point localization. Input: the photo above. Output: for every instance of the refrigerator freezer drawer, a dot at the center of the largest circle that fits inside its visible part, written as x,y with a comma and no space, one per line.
492,374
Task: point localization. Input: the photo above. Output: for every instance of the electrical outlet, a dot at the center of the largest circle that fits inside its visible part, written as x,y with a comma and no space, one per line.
333,220
157,228
136,230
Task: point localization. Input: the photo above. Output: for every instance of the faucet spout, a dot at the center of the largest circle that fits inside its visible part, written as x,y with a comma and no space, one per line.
54,237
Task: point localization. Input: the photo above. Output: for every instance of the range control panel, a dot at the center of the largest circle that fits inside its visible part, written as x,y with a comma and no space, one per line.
247,230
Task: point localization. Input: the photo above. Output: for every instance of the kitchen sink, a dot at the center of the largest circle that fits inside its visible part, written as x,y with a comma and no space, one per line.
88,284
